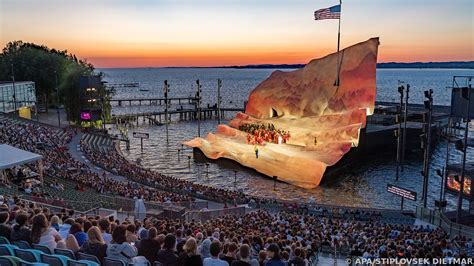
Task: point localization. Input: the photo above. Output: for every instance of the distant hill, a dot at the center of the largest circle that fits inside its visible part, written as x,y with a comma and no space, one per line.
458,64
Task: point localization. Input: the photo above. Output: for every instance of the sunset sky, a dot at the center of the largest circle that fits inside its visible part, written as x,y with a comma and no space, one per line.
136,33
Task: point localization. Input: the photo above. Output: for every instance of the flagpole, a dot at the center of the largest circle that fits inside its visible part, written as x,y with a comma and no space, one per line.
338,45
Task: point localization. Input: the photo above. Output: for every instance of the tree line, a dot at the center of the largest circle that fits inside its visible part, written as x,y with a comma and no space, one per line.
38,63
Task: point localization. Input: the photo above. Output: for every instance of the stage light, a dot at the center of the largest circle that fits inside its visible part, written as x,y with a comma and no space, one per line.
400,89
428,94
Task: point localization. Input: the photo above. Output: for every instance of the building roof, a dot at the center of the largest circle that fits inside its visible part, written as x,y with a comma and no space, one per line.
11,156
9,83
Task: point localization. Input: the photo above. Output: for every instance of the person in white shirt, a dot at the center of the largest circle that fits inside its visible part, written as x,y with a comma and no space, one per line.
214,260
43,234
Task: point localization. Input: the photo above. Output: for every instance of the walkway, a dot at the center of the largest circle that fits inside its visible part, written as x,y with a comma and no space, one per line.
76,153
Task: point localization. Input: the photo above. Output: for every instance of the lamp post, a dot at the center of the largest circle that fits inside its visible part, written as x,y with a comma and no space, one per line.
464,148
57,98
441,202
13,84
219,99
166,90
198,98
426,142
405,118
398,131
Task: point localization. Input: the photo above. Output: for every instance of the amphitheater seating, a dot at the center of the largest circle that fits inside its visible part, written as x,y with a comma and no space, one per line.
65,252
14,261
30,255
41,255
4,240
84,256
7,249
98,143
73,199
42,248
113,262
22,244
54,260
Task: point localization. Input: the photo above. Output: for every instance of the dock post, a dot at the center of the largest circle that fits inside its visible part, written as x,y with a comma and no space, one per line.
219,98
198,96
405,115
166,90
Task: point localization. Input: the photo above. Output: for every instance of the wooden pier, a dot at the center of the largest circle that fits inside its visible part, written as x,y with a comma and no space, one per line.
152,101
180,114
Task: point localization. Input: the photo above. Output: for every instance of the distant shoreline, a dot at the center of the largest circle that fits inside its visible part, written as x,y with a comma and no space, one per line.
388,65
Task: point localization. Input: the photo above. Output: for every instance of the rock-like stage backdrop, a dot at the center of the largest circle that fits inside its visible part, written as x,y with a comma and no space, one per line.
298,123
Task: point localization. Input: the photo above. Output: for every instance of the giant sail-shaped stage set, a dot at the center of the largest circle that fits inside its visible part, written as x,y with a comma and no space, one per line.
298,123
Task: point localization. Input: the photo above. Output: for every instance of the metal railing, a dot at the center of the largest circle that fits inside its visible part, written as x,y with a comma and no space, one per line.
55,208
439,219
204,216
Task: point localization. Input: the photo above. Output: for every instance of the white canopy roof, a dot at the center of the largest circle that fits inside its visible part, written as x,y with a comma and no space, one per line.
11,156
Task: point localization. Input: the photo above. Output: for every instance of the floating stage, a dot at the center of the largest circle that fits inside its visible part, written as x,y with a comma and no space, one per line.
376,141
299,124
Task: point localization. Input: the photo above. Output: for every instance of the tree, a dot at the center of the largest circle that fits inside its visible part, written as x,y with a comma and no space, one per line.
37,63
40,64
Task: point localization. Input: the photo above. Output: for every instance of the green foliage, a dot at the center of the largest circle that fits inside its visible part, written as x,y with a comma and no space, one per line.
41,64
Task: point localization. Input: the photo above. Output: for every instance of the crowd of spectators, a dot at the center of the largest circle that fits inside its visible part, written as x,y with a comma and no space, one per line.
257,238
116,163
52,143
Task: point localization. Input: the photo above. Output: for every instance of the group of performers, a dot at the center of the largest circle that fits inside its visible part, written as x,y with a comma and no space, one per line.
258,134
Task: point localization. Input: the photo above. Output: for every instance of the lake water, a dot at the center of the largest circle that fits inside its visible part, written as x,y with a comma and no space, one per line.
362,186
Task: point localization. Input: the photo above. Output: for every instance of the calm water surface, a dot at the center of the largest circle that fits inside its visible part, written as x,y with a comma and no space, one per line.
364,185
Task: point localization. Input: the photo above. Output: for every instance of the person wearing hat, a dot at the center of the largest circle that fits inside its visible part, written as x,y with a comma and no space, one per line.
273,252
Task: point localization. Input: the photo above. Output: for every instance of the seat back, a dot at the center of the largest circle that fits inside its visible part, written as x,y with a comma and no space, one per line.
4,240
29,255
54,260
22,244
84,256
7,250
8,261
65,252
113,262
24,263
77,263
43,248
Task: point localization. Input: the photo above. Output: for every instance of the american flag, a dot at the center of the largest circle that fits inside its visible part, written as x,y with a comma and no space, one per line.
333,12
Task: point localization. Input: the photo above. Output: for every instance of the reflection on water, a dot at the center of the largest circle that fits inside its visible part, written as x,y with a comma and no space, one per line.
363,185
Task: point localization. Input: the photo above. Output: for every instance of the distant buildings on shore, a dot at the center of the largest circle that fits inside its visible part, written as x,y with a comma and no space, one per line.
454,64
